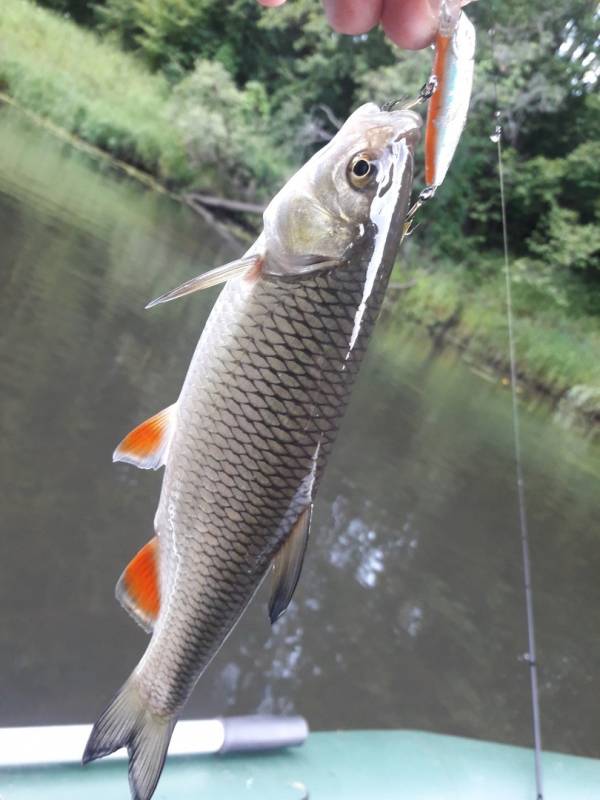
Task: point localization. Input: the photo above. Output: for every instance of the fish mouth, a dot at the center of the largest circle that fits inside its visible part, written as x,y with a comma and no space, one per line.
389,123
407,124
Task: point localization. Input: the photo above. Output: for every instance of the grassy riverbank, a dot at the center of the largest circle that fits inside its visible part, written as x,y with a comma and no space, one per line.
558,354
87,87
194,133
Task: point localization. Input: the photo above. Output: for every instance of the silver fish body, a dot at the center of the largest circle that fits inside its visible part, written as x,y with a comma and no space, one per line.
258,414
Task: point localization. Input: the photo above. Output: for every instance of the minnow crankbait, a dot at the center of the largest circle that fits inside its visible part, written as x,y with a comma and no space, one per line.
245,445
447,113
453,68
449,93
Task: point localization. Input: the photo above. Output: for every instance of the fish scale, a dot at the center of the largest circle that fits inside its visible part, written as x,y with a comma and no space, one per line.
257,340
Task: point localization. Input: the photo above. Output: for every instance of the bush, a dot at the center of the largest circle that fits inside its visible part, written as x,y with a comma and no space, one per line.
225,131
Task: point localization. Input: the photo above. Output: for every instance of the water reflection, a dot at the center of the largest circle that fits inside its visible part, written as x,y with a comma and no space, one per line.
410,609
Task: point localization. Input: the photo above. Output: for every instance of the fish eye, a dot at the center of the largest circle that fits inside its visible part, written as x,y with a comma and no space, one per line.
361,170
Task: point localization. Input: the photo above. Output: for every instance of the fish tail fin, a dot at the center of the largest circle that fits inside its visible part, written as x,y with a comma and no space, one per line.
127,722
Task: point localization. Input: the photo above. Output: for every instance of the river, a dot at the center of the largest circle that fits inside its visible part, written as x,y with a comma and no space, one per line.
410,610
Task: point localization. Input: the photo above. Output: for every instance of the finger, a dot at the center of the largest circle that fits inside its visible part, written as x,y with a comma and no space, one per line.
353,16
271,3
412,24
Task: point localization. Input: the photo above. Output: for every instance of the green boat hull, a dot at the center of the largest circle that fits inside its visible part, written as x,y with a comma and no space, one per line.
349,765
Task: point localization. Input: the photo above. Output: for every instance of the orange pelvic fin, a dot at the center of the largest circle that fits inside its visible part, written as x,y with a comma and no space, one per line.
138,590
147,445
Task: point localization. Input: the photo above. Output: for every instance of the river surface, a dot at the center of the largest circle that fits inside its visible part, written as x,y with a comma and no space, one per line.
410,609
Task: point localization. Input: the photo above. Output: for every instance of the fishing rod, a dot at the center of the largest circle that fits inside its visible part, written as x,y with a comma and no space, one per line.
448,91
531,655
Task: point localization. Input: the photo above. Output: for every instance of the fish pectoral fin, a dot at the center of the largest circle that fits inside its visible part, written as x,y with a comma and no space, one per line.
211,278
147,446
137,589
299,266
288,565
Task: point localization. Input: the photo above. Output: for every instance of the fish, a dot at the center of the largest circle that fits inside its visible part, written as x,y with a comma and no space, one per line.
245,445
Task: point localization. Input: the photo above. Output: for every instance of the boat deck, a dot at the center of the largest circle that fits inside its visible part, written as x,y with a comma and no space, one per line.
349,765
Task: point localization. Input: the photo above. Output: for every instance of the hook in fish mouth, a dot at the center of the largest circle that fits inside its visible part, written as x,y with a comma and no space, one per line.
393,105
426,92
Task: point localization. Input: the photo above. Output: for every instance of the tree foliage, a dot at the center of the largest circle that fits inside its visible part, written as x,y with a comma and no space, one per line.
255,91
224,130
538,66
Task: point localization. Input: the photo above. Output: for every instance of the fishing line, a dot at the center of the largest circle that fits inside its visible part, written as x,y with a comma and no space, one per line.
523,524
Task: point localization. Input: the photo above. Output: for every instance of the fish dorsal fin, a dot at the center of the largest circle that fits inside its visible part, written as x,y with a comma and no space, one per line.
137,589
246,264
288,565
147,445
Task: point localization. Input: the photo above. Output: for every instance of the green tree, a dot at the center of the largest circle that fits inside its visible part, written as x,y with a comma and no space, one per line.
540,68
225,132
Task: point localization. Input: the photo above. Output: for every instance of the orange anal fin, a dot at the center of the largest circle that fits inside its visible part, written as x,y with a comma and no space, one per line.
138,588
148,444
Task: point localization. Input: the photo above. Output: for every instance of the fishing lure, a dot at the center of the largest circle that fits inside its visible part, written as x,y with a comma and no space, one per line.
449,93
453,68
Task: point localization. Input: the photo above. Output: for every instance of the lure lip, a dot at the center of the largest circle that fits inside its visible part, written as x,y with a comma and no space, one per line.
450,12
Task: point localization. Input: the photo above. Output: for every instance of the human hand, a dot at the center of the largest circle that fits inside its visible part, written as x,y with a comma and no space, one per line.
412,24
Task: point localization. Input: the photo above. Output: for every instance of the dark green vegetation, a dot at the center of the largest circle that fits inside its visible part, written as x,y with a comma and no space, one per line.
228,98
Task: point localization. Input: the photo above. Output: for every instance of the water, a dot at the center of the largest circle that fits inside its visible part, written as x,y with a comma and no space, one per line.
410,608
